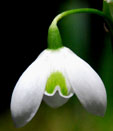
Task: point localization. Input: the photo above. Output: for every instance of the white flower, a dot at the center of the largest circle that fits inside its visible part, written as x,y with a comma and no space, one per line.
55,76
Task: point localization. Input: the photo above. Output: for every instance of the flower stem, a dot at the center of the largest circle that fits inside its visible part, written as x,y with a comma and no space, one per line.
54,37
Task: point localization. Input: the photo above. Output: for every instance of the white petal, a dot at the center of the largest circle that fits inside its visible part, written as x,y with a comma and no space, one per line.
29,90
56,99
86,84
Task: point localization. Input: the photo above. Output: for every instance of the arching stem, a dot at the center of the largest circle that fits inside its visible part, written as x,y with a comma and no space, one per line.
54,37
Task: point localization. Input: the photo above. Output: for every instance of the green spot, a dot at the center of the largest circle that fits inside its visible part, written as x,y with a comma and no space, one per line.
56,79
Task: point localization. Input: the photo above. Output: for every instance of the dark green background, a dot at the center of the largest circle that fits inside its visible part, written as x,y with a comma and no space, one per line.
24,36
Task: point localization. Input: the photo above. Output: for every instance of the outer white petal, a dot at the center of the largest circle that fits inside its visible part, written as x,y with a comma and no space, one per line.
86,84
29,90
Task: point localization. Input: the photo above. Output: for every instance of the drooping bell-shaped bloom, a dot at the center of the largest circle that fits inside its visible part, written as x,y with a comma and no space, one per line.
55,76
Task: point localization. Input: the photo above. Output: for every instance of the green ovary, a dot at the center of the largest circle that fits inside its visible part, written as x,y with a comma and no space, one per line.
56,79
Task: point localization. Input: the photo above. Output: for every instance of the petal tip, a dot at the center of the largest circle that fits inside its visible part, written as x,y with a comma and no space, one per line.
18,123
98,110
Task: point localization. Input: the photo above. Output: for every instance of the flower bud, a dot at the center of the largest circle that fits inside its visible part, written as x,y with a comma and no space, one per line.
108,8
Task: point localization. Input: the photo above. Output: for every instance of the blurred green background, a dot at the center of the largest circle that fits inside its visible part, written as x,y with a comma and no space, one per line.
26,25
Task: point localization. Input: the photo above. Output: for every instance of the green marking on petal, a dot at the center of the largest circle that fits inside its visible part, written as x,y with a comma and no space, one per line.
56,79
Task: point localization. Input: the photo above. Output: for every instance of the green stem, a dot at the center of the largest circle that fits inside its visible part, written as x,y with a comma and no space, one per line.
54,38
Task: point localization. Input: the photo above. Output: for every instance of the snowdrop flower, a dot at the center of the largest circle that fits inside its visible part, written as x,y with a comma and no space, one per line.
55,76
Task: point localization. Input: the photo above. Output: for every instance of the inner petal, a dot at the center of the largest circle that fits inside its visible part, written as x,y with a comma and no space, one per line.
56,79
